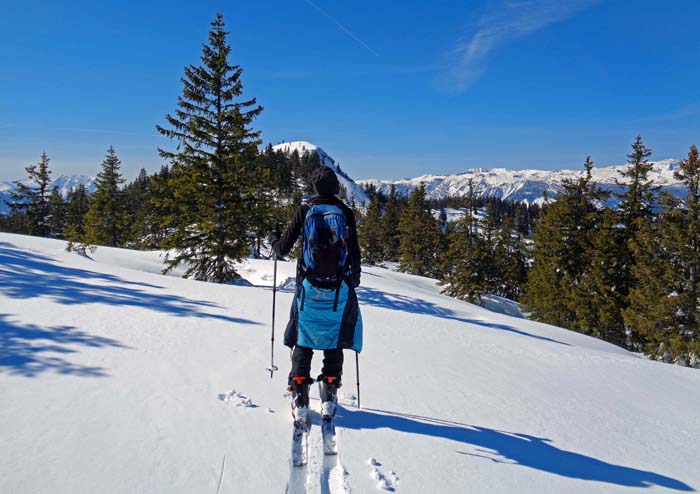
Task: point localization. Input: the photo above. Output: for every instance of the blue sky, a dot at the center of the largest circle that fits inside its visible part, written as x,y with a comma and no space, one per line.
390,89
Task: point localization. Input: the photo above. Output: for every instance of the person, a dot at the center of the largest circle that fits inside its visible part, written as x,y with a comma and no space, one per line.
325,314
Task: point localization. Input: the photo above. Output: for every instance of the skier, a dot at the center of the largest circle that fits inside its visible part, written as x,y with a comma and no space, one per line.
325,314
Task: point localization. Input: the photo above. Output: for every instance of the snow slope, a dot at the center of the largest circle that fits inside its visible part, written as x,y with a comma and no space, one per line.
523,185
302,147
116,379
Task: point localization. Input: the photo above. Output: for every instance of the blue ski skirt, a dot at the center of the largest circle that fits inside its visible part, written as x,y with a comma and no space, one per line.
324,318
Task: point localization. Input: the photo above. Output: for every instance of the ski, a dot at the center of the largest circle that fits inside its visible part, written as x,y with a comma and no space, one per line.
328,390
330,447
300,443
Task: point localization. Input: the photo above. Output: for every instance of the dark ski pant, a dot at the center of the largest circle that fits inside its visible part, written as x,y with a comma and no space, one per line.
301,362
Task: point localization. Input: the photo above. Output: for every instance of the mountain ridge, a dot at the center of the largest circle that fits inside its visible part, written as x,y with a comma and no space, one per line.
522,185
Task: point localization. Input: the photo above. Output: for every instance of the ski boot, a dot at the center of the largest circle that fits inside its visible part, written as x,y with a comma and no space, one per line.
328,390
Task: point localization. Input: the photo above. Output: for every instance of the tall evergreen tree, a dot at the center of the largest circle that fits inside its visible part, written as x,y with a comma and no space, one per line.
463,262
77,206
106,222
213,164
135,196
636,208
511,260
30,201
638,199
419,236
665,300
161,209
390,227
562,246
56,219
370,232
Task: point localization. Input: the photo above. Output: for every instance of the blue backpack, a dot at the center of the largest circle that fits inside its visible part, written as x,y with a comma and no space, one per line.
325,247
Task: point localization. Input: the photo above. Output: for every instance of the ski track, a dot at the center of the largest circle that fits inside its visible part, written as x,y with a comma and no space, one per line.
221,476
323,474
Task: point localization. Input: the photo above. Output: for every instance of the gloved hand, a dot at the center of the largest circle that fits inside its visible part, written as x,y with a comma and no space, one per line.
276,234
355,280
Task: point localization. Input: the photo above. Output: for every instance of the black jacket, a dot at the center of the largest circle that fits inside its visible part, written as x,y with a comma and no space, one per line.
284,245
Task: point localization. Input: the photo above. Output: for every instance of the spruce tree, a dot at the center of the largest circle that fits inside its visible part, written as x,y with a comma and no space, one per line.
161,209
511,260
107,219
490,263
562,247
370,232
390,227
637,200
636,208
56,219
665,300
136,195
463,262
599,299
213,164
77,206
419,236
30,201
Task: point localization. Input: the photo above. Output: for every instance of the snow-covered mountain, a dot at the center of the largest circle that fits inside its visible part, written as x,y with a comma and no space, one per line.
116,379
353,189
65,184
521,185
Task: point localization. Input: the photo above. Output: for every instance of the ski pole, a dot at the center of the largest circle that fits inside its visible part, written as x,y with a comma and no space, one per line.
357,369
273,367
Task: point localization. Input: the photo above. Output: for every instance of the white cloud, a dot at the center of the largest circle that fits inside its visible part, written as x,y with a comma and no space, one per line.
505,21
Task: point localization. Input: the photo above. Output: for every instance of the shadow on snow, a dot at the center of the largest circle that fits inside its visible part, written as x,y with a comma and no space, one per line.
510,448
26,275
394,301
30,350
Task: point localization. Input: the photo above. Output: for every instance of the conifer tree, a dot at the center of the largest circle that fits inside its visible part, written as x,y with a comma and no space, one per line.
511,260
419,236
77,206
463,262
636,208
56,219
370,232
161,209
135,196
665,300
561,252
599,299
390,227
490,262
213,164
637,201
261,205
30,201
106,222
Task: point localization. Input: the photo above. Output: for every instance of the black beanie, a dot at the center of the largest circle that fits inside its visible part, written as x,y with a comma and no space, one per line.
324,182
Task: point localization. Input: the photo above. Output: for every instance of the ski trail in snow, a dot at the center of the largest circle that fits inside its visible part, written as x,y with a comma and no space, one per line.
297,479
334,477
315,456
221,476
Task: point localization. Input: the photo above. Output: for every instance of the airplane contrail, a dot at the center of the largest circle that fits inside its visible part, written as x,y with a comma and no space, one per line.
343,28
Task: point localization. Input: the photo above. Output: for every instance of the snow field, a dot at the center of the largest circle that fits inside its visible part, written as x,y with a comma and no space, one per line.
117,379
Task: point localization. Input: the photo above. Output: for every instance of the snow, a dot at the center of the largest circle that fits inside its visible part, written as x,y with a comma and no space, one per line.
117,379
